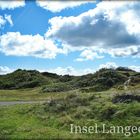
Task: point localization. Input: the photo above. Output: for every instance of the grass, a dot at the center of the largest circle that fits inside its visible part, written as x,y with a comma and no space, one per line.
36,94
20,122
33,94
52,119
29,95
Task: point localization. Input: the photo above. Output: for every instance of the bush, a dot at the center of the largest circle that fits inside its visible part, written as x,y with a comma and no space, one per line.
124,69
30,84
126,98
58,87
65,78
70,102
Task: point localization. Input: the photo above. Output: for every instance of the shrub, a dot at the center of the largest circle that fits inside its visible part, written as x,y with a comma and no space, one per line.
65,104
65,78
126,98
58,87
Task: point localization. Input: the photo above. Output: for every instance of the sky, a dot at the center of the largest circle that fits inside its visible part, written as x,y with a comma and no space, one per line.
73,38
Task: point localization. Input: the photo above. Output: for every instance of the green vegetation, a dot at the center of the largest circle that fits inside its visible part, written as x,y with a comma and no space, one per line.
34,94
24,79
81,100
103,79
52,119
57,87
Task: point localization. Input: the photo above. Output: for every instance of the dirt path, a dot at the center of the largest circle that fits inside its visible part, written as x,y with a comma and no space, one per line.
7,103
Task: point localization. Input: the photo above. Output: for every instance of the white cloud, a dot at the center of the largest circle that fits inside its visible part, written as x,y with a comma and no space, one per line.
11,4
57,6
4,70
5,19
71,71
113,65
111,26
136,68
127,51
88,55
13,43
108,65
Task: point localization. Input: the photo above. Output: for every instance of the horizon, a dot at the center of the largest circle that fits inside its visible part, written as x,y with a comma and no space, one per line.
74,38
64,74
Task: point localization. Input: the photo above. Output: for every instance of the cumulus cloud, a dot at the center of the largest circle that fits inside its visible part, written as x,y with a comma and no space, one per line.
4,70
11,4
111,25
88,55
71,71
127,51
112,65
13,43
57,6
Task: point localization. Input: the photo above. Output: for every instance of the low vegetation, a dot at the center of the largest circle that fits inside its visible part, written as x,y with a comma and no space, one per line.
81,100
52,119
103,79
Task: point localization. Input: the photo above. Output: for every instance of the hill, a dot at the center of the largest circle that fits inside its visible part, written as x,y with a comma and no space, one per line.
50,111
24,79
108,78
101,80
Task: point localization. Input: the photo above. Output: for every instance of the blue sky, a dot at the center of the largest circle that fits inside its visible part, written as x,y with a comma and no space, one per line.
69,37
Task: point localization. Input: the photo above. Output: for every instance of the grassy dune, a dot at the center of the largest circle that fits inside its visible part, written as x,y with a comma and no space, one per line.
87,100
52,119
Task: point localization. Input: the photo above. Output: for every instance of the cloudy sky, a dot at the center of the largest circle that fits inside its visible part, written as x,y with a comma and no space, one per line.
69,37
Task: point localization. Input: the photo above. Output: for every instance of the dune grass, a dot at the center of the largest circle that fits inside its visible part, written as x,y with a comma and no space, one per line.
52,119
28,94
33,94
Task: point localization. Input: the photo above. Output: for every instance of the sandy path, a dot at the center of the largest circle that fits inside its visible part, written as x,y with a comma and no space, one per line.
6,103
